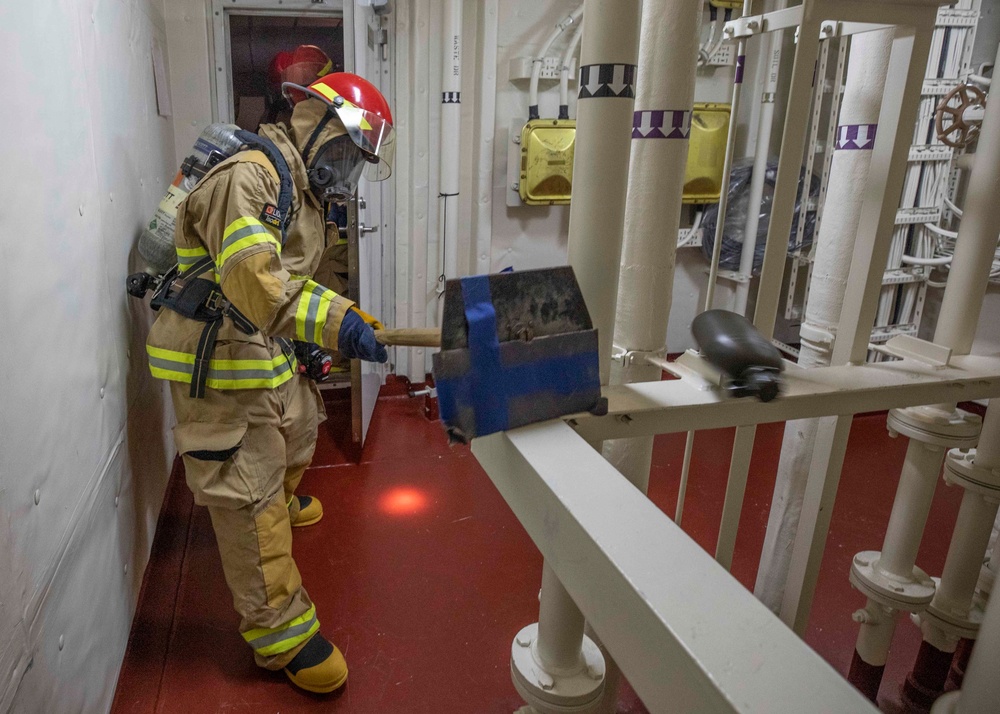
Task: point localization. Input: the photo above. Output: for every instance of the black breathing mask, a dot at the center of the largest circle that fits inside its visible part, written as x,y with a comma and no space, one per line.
336,169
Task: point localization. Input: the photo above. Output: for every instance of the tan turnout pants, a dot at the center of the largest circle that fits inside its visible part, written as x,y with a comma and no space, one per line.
244,453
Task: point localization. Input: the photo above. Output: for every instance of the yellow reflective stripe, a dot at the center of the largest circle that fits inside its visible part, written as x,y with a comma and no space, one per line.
326,91
170,354
296,276
269,641
222,373
324,309
243,233
301,310
341,241
186,257
311,312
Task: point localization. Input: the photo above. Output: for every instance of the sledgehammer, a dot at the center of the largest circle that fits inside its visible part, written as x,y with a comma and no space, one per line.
410,337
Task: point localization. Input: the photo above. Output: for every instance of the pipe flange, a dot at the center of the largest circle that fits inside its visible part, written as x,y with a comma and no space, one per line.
551,692
937,427
960,469
958,624
907,594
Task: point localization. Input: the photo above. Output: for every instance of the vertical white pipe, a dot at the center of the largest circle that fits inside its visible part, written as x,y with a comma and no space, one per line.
981,686
880,625
770,52
451,135
664,98
560,626
685,474
608,58
863,87
727,167
914,495
976,243
968,544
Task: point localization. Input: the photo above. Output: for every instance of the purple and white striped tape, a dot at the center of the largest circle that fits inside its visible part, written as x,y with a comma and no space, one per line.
856,137
661,124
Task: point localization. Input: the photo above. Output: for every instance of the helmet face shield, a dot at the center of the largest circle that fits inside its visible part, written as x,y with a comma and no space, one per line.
335,171
370,132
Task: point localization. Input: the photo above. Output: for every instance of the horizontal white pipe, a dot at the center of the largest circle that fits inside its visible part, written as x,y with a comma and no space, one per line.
940,231
688,636
910,260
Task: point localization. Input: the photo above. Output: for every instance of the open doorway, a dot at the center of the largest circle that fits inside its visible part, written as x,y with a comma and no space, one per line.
260,47
248,36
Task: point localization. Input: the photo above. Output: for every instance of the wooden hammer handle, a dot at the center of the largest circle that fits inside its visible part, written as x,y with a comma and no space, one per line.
410,337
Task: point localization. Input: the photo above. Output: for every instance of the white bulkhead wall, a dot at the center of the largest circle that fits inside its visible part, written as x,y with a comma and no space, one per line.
494,236
85,446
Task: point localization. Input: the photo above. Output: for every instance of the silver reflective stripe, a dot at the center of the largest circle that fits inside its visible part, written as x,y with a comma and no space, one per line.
240,234
313,312
286,634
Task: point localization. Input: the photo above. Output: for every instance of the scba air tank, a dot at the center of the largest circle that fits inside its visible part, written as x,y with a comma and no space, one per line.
156,244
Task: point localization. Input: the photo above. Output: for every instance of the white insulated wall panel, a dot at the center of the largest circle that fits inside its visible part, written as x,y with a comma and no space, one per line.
84,431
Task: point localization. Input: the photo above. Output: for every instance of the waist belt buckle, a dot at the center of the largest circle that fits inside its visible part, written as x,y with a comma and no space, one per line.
216,301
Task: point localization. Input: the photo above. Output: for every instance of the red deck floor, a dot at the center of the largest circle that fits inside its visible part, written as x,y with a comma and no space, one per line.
422,575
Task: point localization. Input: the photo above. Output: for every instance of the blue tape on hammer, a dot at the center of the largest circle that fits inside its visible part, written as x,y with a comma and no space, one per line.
487,387
490,385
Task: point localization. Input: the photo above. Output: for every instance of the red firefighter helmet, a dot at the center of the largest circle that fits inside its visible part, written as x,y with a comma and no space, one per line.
302,66
363,111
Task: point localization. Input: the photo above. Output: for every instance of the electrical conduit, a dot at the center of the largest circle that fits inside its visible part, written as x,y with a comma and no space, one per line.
451,138
536,64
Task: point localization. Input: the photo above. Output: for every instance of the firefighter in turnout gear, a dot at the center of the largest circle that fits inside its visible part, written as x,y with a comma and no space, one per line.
248,239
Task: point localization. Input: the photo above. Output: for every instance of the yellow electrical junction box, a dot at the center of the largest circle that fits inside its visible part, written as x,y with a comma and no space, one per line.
547,161
727,4
706,153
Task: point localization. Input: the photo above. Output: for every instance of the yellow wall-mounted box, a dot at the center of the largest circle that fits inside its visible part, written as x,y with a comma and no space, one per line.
547,161
706,153
727,4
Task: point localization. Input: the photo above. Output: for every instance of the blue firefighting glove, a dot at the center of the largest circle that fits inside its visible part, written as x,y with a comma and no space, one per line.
356,339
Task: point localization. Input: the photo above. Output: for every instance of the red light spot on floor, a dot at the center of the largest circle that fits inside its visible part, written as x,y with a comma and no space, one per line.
403,501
